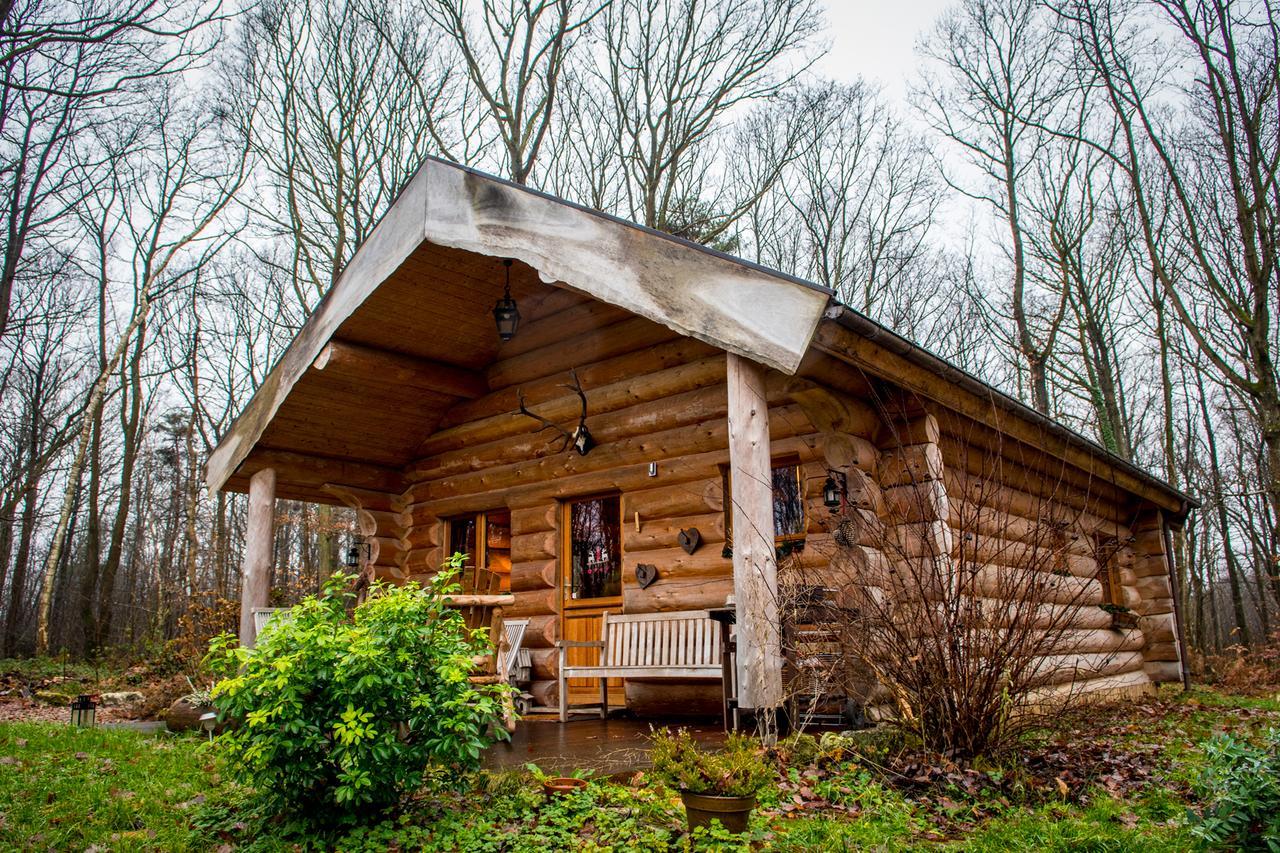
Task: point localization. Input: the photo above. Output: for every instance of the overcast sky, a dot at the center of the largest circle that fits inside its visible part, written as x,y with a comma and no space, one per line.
875,39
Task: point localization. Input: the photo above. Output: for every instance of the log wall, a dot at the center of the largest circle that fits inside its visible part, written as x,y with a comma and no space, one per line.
656,397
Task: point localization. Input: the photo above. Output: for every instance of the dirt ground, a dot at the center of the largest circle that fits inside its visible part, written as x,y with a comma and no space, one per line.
41,691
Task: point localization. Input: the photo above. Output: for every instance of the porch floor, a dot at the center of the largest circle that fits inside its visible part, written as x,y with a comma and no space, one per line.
605,746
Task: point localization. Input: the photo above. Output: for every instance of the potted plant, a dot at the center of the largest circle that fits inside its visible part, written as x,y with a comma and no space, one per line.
1121,616
554,786
720,785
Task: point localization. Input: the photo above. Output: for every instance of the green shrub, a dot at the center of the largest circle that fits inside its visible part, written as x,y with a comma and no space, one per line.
1240,789
738,770
332,713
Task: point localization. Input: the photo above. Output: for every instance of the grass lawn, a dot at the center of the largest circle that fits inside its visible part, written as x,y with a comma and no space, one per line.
1112,779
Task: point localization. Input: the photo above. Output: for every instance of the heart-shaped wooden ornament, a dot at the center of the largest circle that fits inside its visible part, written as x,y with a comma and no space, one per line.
690,539
646,574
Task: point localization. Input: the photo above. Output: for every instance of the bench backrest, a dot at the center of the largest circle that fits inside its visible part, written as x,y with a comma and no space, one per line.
681,639
509,651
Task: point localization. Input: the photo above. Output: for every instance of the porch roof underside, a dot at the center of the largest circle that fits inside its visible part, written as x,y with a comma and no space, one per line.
407,331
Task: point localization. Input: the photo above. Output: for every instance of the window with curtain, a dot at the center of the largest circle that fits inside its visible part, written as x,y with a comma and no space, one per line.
594,548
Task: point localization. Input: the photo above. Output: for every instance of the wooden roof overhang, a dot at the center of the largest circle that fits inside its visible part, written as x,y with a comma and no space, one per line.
407,331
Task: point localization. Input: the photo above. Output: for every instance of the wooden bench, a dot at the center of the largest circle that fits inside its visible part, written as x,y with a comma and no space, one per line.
684,644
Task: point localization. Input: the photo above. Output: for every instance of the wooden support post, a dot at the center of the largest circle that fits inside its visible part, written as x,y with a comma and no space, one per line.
259,544
755,569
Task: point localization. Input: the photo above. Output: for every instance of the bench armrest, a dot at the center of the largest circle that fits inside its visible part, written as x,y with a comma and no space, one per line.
579,644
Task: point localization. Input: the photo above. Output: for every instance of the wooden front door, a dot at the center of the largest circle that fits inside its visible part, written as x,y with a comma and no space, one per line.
591,581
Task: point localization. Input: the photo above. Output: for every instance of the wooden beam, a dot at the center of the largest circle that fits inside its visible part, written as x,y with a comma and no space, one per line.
393,368
755,569
259,545
312,473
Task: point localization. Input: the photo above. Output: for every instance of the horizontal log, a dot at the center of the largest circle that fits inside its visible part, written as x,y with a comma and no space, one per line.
915,463
423,560
1002,582
542,631
374,501
695,438
836,375
674,594
660,533
1076,668
571,320
625,478
844,452
675,500
534,603
1156,587
1150,567
670,698
535,546
1163,672
1107,688
534,519
627,336
383,367
982,488
675,563
546,694
474,600
923,429
1159,627
426,533
544,664
534,575
516,437
923,501
651,361
1036,492
830,411
1161,652
1042,558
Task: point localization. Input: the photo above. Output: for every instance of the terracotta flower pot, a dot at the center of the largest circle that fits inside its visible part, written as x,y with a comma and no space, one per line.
559,785
732,812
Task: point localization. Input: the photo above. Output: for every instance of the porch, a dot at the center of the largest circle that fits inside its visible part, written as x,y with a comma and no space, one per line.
606,747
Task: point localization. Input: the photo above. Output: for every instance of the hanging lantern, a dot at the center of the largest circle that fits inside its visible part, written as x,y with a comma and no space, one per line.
358,553
505,313
84,711
833,491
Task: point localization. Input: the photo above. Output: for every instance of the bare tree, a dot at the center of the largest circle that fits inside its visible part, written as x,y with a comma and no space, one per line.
170,199
65,66
865,193
514,56
340,102
1003,83
1205,178
672,71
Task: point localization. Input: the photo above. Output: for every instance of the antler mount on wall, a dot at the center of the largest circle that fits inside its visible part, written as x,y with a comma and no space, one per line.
580,438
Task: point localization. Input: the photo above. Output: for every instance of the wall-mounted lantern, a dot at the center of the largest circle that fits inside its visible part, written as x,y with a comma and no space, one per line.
833,491
506,316
84,711
359,553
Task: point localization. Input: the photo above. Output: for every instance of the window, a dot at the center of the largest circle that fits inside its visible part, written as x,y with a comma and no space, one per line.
485,537
790,519
593,537
1108,575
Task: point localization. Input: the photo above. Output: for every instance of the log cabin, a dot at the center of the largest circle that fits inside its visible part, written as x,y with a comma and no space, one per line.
647,399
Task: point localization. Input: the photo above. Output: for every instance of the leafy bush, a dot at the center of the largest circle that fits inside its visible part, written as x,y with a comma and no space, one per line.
739,770
332,713
1240,787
